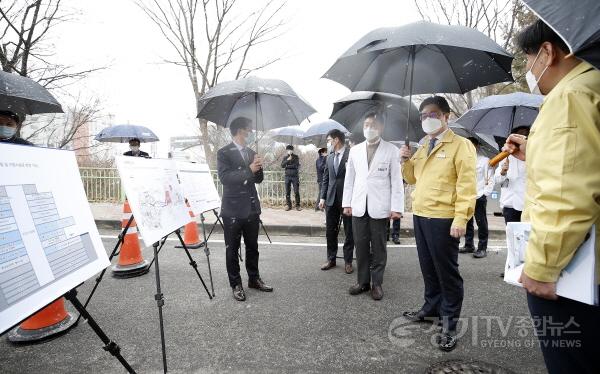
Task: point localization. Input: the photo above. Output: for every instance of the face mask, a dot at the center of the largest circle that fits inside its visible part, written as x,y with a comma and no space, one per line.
370,134
7,132
251,137
134,148
431,125
290,152
532,82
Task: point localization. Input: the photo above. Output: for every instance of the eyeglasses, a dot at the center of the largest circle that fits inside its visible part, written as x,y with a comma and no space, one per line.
435,115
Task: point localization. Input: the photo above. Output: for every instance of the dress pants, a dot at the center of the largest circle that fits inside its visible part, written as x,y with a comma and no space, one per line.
289,181
371,249
482,225
333,214
568,333
438,258
318,195
235,228
511,215
395,231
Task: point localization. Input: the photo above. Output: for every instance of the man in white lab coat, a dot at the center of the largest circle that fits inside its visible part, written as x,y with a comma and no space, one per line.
512,175
373,193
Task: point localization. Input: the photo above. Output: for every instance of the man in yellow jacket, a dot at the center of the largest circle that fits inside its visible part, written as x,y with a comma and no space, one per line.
563,196
443,170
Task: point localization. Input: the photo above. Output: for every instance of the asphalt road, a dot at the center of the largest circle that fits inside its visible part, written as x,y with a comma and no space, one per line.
309,324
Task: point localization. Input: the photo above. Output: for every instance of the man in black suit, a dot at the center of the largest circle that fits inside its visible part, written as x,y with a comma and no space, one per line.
332,191
291,164
239,168
134,149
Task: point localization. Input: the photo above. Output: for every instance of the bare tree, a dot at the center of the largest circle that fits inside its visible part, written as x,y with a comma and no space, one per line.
212,41
24,29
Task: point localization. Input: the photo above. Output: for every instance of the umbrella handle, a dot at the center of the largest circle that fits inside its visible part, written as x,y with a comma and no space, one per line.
499,157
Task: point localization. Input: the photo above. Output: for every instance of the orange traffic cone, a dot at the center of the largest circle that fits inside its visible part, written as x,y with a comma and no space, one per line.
131,263
191,238
48,323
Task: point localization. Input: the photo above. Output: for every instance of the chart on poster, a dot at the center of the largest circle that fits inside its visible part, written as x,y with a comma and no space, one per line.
198,186
48,239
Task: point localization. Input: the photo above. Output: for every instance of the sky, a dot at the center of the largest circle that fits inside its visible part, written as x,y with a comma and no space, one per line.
137,87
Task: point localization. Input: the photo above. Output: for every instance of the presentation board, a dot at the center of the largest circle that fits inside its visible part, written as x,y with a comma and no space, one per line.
155,196
198,186
49,242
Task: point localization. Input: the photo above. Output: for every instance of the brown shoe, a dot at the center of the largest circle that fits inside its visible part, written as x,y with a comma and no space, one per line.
377,293
348,269
259,285
328,265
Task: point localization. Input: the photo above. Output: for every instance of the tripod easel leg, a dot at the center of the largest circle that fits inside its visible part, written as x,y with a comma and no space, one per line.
215,224
207,252
110,346
265,230
192,262
159,303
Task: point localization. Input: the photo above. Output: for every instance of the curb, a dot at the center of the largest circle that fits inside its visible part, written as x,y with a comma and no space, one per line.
287,230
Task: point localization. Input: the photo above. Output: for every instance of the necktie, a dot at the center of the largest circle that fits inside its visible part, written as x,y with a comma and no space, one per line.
245,155
432,142
336,162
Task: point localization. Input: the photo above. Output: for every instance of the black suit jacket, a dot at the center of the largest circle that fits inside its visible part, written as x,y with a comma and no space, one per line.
332,189
291,166
238,182
140,154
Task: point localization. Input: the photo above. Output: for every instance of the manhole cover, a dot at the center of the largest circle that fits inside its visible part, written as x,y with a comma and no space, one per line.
466,367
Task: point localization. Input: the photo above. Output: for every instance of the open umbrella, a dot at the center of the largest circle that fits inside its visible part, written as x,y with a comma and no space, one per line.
317,132
487,144
422,58
270,103
350,111
577,22
124,133
22,96
289,135
497,115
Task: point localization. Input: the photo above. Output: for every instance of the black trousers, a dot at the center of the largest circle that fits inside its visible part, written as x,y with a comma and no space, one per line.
289,181
438,257
568,333
482,225
235,228
395,230
371,249
333,214
318,195
511,215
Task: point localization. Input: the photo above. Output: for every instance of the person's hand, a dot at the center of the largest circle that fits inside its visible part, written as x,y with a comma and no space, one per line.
322,204
289,158
504,168
347,211
256,164
395,215
545,290
457,232
405,153
516,145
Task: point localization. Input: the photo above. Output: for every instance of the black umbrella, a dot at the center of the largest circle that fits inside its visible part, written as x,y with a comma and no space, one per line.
497,115
577,22
350,111
270,103
124,133
422,58
22,96
487,144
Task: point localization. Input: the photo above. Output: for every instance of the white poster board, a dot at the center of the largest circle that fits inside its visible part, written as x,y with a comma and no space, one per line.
154,194
198,186
49,242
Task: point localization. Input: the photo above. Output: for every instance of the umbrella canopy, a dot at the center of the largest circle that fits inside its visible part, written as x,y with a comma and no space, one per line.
422,58
270,103
497,115
317,132
124,133
350,111
22,96
577,22
487,144
289,135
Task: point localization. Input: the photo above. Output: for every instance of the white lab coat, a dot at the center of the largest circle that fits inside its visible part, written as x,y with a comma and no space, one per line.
378,189
512,191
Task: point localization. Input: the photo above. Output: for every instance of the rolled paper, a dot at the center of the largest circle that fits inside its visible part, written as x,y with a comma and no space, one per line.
499,157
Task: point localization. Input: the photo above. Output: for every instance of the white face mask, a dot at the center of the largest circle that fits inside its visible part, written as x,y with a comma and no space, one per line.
431,125
7,132
370,133
134,148
290,152
532,82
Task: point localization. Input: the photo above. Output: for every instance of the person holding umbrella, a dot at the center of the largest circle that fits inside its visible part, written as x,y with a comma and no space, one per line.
562,196
10,124
291,164
134,149
443,171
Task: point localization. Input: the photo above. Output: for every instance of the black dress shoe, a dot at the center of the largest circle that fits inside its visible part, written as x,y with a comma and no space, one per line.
447,342
357,289
396,240
420,316
481,253
328,265
377,293
298,208
259,285
288,208
238,293
467,249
